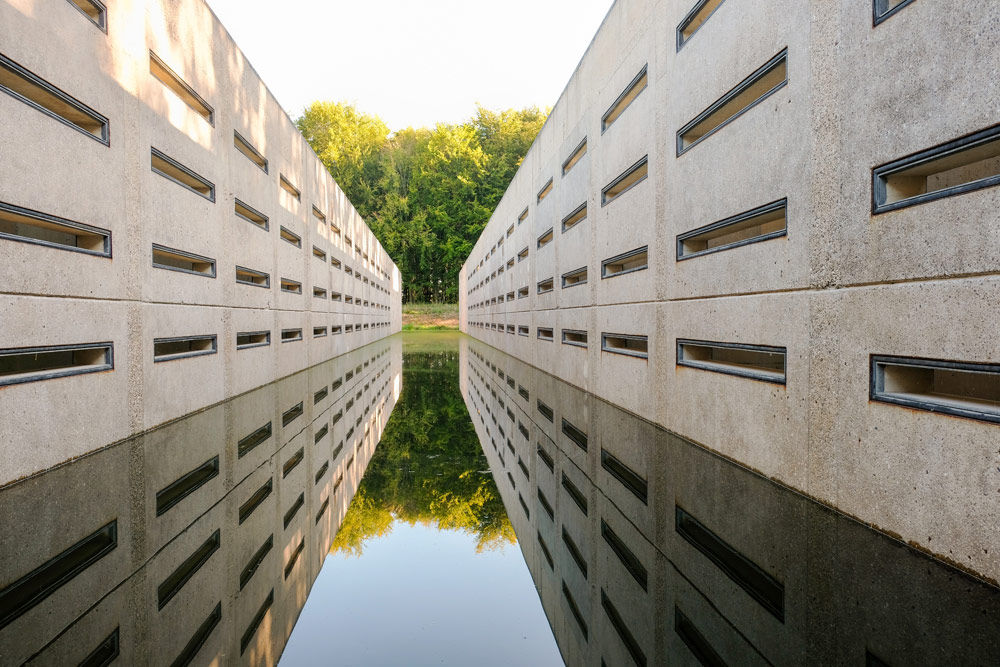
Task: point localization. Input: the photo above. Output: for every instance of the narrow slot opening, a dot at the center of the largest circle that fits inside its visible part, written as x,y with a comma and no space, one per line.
322,471
574,337
292,463
522,392
251,153
510,328
287,186
248,443
632,91
763,223
174,171
523,255
185,262
634,260
578,215
45,363
618,623
319,254
633,346
524,506
250,277
336,296
172,585
180,88
574,278
291,286
544,502
255,623
887,8
294,509
169,349
695,641
109,649
96,12
575,157
255,501
292,414
335,330
22,224
510,263
575,610
544,192
43,96
574,552
546,285
545,551
964,165
322,509
249,339
578,437
522,331
948,387
510,230
335,263
524,215
319,293
291,237
319,332
318,214
545,238
544,410
252,215
756,87
630,178
625,555
188,483
510,296
757,362
695,18
255,561
629,478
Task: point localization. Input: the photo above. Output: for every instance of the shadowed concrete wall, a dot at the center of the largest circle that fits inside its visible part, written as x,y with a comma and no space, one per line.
319,283
844,274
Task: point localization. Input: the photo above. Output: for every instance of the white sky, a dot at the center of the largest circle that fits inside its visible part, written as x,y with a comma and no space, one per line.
414,62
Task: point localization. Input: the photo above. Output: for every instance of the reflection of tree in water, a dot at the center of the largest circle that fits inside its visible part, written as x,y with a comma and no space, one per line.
429,467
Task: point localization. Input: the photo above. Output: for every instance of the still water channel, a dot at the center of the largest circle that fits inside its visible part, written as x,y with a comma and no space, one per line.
428,500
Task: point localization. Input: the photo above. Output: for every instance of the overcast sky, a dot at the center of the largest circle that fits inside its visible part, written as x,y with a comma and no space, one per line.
414,62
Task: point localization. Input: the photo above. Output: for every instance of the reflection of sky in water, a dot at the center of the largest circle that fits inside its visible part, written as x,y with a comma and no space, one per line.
420,596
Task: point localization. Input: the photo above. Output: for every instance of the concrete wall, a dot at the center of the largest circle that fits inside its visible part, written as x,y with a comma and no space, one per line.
845,590
842,284
53,296
337,433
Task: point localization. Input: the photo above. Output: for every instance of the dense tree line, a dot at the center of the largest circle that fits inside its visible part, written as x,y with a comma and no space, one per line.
425,193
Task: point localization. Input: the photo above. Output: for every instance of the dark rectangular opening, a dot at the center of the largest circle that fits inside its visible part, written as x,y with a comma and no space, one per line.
293,462
960,389
180,260
574,337
198,639
169,349
522,293
546,286
884,9
172,585
633,260
322,509
546,238
97,13
291,286
524,506
251,153
628,559
575,494
28,226
575,157
758,362
765,222
769,78
258,618
624,634
53,102
544,410
287,186
109,649
523,255
255,501
319,332
253,278
963,165
247,443
255,561
251,215
578,437
575,217
546,459
180,88
627,344
574,610
322,470
702,10
695,641
293,510
575,277
292,414
545,551
574,552
761,586
289,236
632,91
630,178
544,333
319,254
186,485
291,335
31,364
295,556
174,171
545,505
629,478
546,189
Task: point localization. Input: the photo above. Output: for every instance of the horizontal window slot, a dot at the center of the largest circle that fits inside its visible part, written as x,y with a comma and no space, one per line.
522,392
335,263
628,477
575,217
287,186
291,286
574,552
255,561
251,215
695,641
293,510
511,479
575,157
319,215
337,451
28,226
689,25
291,335
546,238
522,293
574,493
544,410
524,506
336,296
108,650
631,92
523,429
624,634
510,328
336,485
96,12
253,278
766,222
545,551
255,501
350,461
964,165
574,278
251,339
546,286
578,437
22,595
544,192
172,585
258,618
544,334
320,395
31,364
198,639
628,559
632,176
629,345
248,443
524,215
757,362
510,230
174,171
322,509
761,586
574,610
510,263
523,255
292,462
295,556
180,88
574,337
291,237
251,153
185,262
633,260
546,459
319,293
43,96
953,388
319,254
885,9
322,470
292,414
169,349
186,485
752,90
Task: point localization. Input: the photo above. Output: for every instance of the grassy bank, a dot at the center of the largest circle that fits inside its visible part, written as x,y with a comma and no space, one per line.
424,316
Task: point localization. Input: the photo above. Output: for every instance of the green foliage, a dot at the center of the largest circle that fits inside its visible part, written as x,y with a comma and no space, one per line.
429,467
425,193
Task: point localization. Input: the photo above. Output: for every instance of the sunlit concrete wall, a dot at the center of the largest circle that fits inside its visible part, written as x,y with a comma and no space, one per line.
843,283
53,296
325,423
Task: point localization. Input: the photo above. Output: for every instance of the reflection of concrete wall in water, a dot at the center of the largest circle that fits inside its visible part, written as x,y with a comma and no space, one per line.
736,282
215,525
593,494
163,224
